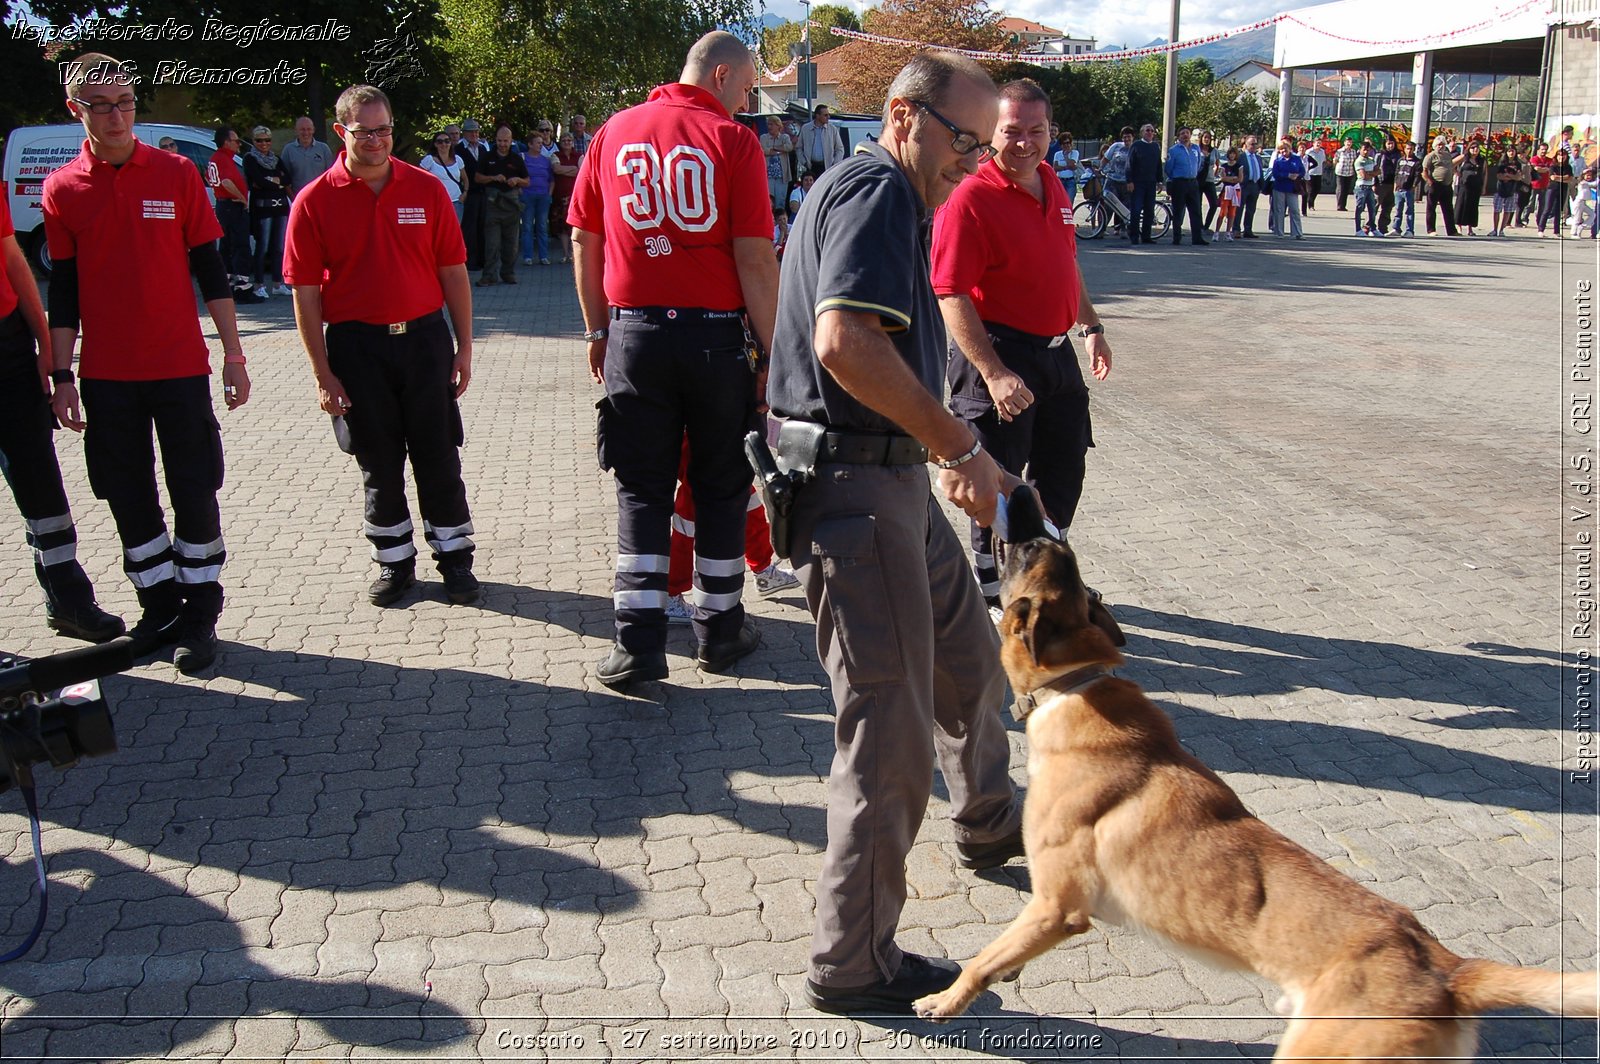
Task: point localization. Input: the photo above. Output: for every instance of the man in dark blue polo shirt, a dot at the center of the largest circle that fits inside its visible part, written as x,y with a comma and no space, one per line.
857,375
1144,173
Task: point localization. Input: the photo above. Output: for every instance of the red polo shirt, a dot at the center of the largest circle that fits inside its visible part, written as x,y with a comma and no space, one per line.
1016,258
224,166
377,257
8,295
670,184
130,229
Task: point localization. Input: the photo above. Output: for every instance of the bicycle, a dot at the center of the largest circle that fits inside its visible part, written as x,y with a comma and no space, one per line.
1099,208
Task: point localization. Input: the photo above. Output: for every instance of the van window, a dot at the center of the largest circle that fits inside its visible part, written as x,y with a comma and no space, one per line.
198,154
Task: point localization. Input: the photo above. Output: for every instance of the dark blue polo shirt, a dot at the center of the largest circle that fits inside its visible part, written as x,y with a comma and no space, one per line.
858,244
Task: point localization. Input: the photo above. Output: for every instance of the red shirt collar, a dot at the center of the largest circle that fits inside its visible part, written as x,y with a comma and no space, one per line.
990,173
680,92
88,160
339,174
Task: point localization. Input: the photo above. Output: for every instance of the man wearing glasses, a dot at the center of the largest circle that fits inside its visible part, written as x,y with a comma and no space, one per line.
374,250
1009,303
127,224
233,212
857,375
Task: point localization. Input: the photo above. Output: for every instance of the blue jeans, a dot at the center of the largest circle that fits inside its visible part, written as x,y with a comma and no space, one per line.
1367,196
1405,208
268,233
536,223
1141,211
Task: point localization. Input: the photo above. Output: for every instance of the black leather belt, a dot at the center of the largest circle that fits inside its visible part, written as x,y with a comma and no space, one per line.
674,315
865,448
1006,332
399,328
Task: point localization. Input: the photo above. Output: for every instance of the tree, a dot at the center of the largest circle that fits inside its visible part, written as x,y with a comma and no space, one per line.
952,23
1231,109
380,41
775,42
30,92
520,60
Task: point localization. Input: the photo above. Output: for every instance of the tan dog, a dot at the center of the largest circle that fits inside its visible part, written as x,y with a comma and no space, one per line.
1123,825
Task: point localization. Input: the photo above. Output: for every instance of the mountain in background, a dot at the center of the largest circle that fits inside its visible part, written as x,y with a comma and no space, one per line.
1223,55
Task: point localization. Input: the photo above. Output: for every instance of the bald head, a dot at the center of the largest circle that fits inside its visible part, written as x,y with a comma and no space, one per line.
721,64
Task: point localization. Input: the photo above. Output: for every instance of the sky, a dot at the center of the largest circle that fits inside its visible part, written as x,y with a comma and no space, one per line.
1130,22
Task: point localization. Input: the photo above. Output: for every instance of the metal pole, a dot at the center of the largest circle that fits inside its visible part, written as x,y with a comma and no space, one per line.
1169,113
805,35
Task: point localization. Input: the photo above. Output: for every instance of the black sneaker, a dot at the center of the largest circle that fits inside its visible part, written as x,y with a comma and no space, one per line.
155,631
622,668
719,657
197,649
88,622
977,856
460,586
392,582
918,977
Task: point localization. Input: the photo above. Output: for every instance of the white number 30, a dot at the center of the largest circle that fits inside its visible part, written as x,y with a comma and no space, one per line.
683,187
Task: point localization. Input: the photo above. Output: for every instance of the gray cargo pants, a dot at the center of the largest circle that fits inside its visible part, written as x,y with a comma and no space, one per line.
914,664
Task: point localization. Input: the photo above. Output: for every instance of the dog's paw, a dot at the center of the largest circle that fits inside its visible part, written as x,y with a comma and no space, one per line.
938,1007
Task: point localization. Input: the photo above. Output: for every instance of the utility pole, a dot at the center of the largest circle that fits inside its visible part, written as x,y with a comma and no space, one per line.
1169,111
805,35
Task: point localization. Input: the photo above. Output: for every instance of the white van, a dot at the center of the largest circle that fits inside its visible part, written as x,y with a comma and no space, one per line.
34,152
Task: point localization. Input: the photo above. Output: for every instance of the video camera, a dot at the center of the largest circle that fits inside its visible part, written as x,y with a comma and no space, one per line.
51,709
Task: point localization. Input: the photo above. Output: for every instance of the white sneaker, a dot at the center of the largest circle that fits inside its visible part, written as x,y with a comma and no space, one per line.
261,291
527,262
771,580
678,610
995,613
283,290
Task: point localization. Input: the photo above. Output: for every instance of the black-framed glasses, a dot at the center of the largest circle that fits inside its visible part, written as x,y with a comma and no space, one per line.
378,133
105,107
963,141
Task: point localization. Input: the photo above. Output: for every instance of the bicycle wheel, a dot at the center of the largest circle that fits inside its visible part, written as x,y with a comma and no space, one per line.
1161,221
1089,218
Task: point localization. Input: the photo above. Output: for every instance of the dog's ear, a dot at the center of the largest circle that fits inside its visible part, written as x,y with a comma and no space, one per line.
1100,616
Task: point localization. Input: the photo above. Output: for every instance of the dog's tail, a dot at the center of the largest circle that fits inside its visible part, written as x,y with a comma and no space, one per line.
1480,985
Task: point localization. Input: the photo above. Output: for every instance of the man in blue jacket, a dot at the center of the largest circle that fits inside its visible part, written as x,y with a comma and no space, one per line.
1144,173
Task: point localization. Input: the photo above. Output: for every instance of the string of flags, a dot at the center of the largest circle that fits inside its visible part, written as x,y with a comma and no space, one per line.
1163,49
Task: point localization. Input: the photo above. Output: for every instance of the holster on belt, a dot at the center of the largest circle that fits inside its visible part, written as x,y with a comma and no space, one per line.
778,486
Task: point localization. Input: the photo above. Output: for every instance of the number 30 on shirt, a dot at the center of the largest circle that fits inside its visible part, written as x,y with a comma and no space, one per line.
681,187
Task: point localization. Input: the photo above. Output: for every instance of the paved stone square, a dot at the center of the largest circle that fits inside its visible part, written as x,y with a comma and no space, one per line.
1326,503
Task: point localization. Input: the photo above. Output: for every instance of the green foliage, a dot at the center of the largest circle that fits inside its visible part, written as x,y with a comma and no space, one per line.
1097,99
30,92
775,42
1230,109
517,61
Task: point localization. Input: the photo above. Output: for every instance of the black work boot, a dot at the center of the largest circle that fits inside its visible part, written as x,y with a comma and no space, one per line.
86,621
393,580
161,622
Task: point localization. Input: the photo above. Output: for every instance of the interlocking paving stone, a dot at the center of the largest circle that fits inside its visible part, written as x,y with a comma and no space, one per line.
1322,503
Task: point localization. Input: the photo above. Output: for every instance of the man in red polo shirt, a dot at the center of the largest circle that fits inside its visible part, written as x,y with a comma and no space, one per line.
1006,272
233,205
374,251
672,234
127,225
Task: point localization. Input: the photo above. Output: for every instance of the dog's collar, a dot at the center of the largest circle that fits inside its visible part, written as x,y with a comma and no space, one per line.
1061,684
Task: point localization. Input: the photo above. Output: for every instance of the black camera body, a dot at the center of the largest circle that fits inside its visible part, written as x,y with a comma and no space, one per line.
52,709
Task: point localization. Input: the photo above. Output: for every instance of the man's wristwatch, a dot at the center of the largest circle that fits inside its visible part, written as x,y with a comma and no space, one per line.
61,376
1092,330
597,334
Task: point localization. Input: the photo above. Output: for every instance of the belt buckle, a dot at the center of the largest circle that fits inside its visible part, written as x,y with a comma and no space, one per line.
397,328
1057,341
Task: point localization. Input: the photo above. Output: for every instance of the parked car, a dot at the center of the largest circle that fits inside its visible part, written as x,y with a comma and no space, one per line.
34,152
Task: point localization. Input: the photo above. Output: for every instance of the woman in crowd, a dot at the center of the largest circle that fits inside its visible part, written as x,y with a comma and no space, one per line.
1287,173
536,200
1508,176
779,150
797,195
268,184
565,167
1439,173
1469,186
1555,195
1207,176
442,162
1344,171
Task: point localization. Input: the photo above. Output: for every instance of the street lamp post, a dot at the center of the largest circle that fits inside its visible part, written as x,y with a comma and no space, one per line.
1169,111
805,35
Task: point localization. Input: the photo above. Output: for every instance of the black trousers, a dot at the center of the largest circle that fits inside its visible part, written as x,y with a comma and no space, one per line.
235,243
1385,205
1345,187
472,228
1185,193
1208,189
28,461
402,405
1442,196
1245,218
182,573
1047,444
663,380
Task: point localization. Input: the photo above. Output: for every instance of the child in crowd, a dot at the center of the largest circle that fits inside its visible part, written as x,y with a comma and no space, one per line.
1583,205
1230,175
